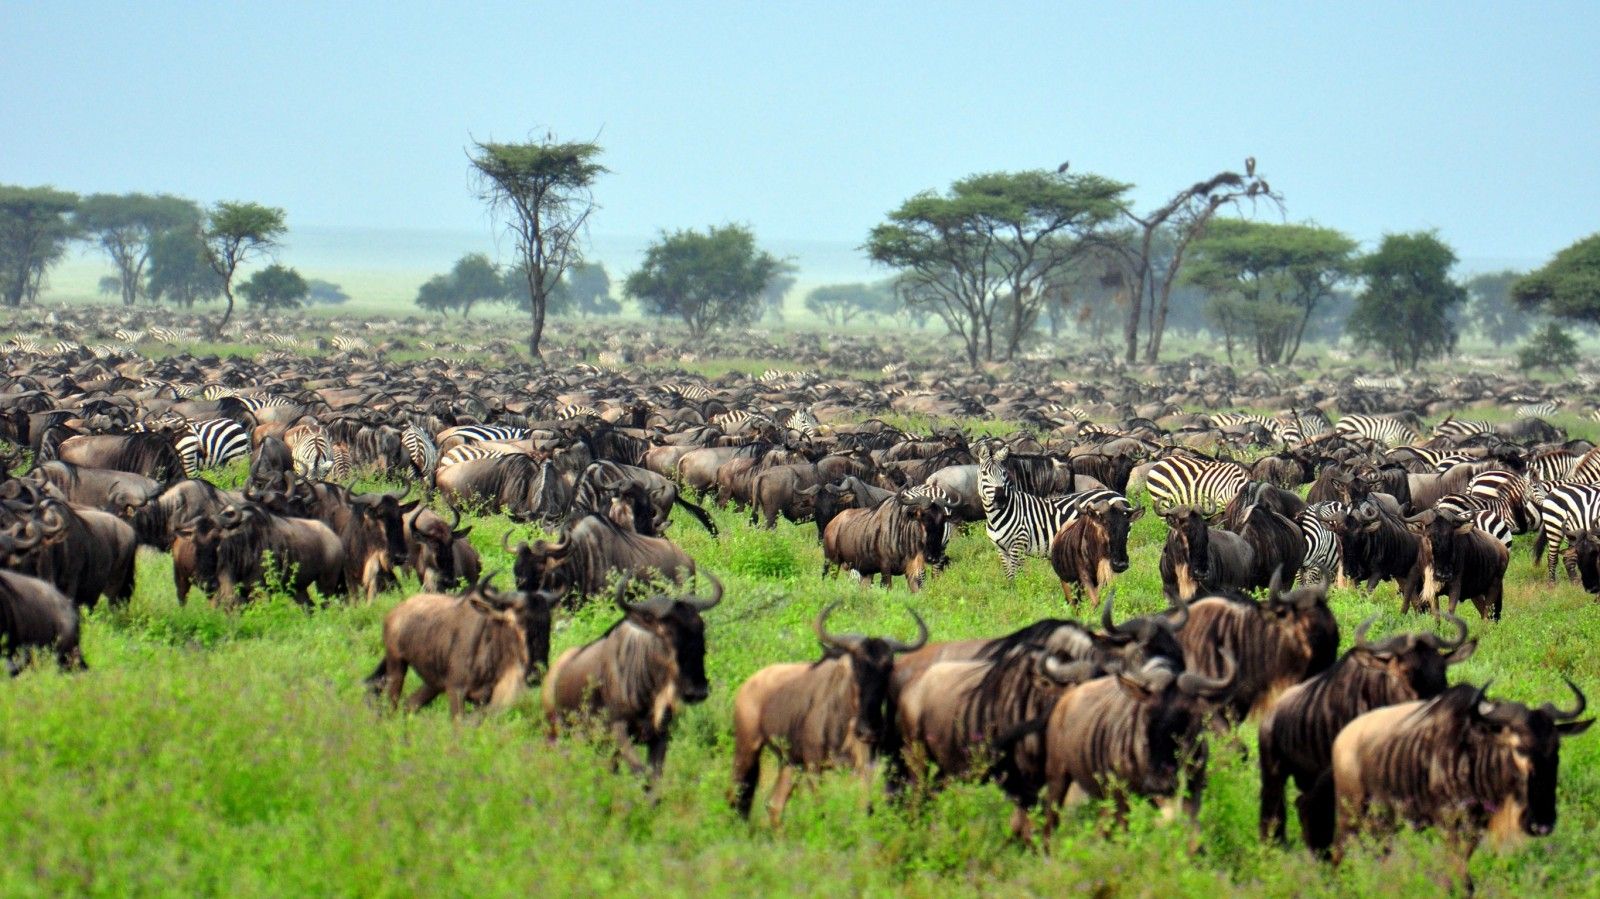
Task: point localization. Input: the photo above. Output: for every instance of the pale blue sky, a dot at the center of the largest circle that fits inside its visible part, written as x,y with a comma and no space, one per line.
809,121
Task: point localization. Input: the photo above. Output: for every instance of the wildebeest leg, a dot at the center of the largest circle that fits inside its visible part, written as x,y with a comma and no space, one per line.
887,580
1022,824
1273,779
394,672
458,702
1317,810
746,776
425,694
625,748
71,659
780,794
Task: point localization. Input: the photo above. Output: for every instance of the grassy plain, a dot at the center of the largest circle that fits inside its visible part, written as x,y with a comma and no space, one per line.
213,752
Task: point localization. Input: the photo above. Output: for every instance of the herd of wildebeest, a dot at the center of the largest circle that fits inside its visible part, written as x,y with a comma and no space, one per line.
1264,511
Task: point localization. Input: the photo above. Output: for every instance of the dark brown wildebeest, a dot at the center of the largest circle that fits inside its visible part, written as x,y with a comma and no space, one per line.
149,454
1459,761
785,490
1296,735
1198,557
526,488
1274,644
592,550
33,613
229,553
902,536
482,647
637,675
1586,558
1089,548
1276,543
84,554
1137,732
1467,563
119,492
814,715
439,553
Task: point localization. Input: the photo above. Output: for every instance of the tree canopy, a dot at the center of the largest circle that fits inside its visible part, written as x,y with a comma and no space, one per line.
710,280
1552,349
274,288
1266,280
1405,310
36,223
235,233
984,255
180,270
125,226
585,291
839,304
543,192
1493,311
1568,286
325,292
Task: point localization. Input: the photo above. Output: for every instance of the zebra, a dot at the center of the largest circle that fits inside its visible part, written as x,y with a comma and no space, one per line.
1567,509
1542,409
1365,382
1389,430
283,341
1189,481
1324,563
1587,469
576,410
346,344
1511,491
481,433
1491,516
804,422
211,443
1552,466
1020,523
311,449
692,392
164,335
730,422
421,451
1458,429
467,452
342,468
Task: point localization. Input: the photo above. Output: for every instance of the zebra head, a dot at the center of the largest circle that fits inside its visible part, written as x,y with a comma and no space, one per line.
993,480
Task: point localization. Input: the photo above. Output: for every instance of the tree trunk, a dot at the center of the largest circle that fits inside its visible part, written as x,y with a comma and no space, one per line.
536,336
227,291
1135,309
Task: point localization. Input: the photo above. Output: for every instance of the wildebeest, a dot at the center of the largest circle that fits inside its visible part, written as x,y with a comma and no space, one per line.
1274,644
1459,761
527,488
148,454
483,646
814,714
230,553
902,536
119,492
33,613
1586,558
439,553
1198,557
638,673
590,551
1276,543
1296,735
1086,551
1468,563
1137,732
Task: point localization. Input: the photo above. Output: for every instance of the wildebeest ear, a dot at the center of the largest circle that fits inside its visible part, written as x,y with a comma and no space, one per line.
809,491
461,534
1462,652
1133,687
1136,514
405,508
1573,728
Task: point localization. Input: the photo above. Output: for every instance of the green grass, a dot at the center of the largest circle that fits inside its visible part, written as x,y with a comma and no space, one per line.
236,752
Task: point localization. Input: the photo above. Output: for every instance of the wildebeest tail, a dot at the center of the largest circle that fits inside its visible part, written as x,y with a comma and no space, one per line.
698,512
374,681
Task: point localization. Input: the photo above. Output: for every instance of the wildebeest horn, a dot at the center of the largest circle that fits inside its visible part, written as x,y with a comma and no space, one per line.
1275,586
505,541
1065,673
1361,633
1199,685
622,592
53,521
1563,715
701,605
455,513
843,643
1461,634
1178,614
921,641
1106,620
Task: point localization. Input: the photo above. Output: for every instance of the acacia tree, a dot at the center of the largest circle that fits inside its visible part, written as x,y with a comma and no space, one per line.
180,269
35,225
839,304
1153,253
125,226
586,290
543,192
235,233
275,287
1568,286
983,256
709,280
1267,280
1405,310
1496,315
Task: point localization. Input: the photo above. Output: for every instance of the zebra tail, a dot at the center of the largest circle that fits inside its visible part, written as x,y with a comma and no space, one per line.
698,512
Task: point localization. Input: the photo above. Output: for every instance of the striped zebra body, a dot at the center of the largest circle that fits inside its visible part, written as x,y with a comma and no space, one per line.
164,335
1365,382
421,451
1442,462
692,392
1385,429
1542,409
803,421
1491,516
730,422
209,444
127,336
1453,428
1512,492
482,433
1566,510
576,410
468,452
1552,466
342,468
311,449
1019,523
347,344
283,341
1188,481
1324,562
1587,469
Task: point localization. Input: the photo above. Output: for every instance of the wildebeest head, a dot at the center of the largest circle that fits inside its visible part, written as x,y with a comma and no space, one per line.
1586,547
1117,518
1421,661
931,515
530,611
1190,538
1302,614
1175,706
1138,641
677,622
871,664
539,564
1443,531
1533,737
435,546
382,516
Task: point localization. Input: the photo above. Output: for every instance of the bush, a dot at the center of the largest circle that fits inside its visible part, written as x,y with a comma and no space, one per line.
1551,349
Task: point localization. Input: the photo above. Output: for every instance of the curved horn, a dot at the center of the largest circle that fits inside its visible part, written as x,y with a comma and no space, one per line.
821,627
921,641
701,605
456,515
505,541
1275,586
1563,715
1065,673
1461,634
1178,614
1361,634
1198,684
622,593
1107,621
